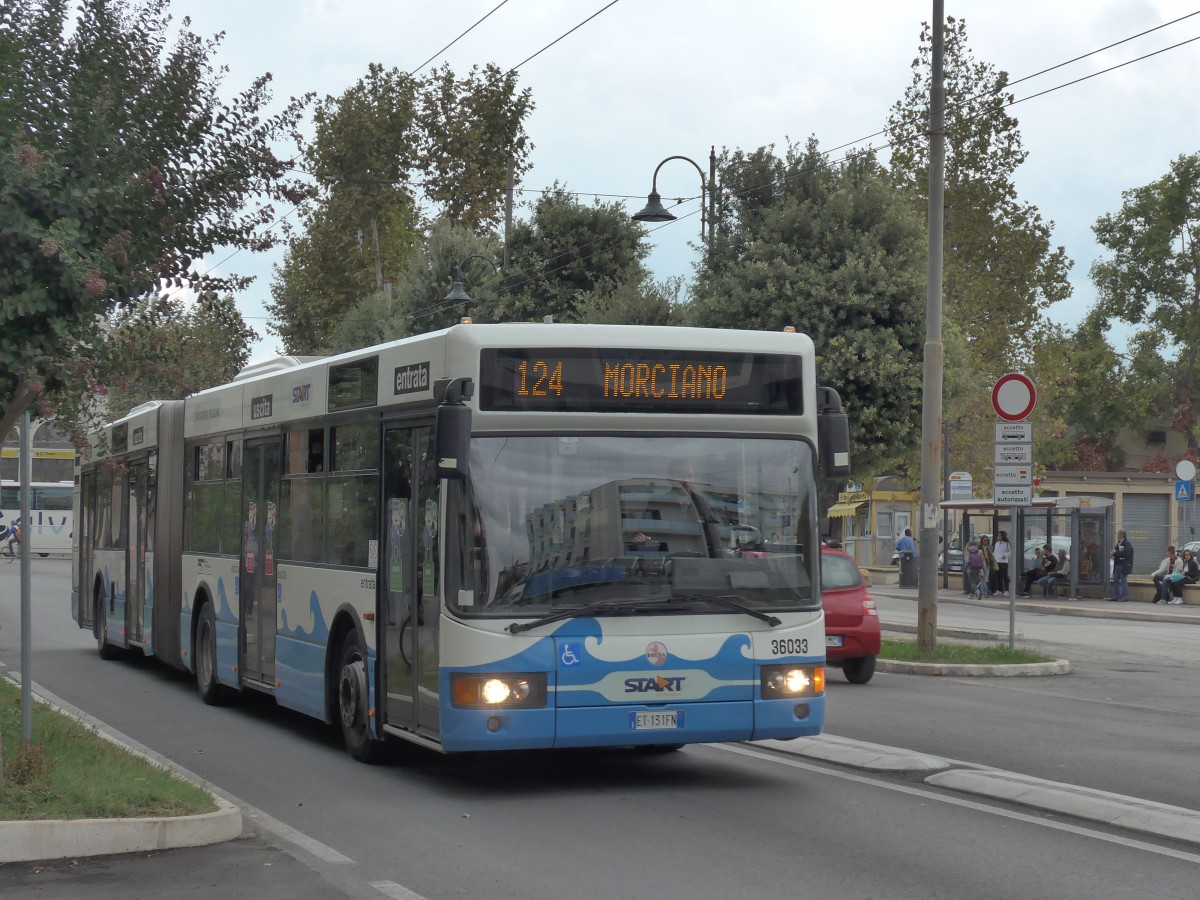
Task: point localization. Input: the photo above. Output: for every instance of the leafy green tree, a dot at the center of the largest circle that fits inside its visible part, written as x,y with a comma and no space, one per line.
385,147
835,251
162,349
1001,272
568,253
422,282
470,128
119,165
1152,280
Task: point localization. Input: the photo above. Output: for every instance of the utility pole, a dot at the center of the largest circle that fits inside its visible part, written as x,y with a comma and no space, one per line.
931,383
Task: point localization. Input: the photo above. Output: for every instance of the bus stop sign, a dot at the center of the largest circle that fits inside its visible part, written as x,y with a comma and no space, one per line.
1013,397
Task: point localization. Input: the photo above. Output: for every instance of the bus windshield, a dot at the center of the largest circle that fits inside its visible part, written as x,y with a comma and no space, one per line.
683,523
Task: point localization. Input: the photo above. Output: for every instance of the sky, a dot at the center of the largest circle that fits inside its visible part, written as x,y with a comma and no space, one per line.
644,80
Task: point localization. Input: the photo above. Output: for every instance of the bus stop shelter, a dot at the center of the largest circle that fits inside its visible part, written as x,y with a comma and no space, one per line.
1083,526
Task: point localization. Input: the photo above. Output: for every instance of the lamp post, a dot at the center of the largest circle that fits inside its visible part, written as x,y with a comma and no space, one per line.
457,293
654,211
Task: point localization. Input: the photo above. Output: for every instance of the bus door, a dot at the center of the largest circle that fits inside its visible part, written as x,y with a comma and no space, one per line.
87,547
261,470
410,584
135,552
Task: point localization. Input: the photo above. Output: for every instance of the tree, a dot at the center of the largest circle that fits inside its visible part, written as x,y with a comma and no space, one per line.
171,351
569,254
422,283
833,250
383,148
1153,278
120,165
1001,272
470,129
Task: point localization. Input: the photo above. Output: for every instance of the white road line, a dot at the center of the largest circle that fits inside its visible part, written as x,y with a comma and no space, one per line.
395,891
927,794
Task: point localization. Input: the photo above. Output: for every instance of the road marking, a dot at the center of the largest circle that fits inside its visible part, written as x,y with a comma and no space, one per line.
395,891
928,794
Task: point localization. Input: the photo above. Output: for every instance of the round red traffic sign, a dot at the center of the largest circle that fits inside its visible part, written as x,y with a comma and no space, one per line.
1013,397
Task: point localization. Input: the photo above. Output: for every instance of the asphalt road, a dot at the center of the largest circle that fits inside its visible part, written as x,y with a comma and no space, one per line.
705,822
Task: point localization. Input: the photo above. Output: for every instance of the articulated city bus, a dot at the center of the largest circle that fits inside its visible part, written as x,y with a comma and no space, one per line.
489,537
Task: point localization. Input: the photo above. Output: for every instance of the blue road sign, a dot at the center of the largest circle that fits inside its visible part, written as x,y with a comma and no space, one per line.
1183,490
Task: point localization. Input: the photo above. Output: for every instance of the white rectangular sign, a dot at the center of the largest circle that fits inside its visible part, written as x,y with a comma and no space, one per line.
1014,432
1014,475
1014,496
1014,454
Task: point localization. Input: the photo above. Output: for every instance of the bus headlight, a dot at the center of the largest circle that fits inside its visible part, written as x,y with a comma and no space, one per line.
779,682
470,690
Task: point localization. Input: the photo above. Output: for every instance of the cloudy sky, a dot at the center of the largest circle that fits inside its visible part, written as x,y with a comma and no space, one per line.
648,79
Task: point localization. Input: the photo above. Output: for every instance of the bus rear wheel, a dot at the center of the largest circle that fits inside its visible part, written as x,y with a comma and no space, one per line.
100,629
352,703
204,653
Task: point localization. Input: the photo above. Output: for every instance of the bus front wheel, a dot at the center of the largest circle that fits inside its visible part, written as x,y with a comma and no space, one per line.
352,702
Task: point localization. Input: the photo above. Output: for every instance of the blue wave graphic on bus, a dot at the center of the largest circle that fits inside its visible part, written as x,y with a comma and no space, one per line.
730,666
320,628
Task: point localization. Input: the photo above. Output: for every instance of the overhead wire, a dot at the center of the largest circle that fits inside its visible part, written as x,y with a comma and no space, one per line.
437,308
457,39
434,309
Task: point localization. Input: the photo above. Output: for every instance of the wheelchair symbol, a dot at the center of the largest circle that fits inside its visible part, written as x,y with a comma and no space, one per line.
569,657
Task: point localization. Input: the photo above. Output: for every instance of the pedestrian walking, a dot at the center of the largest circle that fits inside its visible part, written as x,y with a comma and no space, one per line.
989,564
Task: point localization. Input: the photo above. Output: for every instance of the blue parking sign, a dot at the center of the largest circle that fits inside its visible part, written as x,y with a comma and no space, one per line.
1183,490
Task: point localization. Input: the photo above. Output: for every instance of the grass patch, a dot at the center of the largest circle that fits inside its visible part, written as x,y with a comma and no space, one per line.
989,654
69,771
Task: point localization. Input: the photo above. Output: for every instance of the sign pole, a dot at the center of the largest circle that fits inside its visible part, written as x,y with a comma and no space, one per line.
1013,399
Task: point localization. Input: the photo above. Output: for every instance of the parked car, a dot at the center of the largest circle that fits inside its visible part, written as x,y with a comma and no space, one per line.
852,634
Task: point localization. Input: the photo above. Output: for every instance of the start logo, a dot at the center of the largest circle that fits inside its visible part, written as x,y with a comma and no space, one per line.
656,653
657,684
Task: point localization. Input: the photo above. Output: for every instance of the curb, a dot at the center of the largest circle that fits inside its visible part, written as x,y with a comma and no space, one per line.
1174,823
1129,813
38,839
58,838
999,670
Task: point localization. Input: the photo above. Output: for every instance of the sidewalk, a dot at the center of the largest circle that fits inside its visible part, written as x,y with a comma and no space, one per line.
1096,609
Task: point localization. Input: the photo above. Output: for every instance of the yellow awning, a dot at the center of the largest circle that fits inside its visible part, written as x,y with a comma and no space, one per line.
841,510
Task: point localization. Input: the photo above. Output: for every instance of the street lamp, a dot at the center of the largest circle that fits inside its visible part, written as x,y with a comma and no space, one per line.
654,211
457,293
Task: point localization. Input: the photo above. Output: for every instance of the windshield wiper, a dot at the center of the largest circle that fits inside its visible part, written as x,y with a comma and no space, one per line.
731,601
590,609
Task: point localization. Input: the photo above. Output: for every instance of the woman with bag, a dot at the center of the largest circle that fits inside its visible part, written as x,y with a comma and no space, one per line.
1189,575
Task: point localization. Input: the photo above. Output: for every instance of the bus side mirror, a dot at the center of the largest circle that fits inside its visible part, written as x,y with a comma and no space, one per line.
452,429
833,434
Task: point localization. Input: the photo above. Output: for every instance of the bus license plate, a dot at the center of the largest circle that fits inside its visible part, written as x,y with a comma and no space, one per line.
833,640
656,721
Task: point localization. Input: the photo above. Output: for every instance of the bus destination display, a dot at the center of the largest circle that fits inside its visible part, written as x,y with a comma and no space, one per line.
640,381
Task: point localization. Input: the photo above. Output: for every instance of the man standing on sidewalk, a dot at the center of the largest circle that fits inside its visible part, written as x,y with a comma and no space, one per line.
1122,557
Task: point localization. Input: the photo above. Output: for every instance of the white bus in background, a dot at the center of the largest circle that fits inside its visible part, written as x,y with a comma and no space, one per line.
50,519
491,537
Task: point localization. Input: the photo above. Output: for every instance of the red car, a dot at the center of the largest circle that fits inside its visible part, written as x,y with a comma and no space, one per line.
851,619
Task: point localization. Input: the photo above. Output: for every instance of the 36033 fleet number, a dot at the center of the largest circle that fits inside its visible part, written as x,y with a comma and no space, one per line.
789,646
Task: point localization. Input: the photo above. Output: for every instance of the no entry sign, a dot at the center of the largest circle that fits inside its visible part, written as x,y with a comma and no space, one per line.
1013,397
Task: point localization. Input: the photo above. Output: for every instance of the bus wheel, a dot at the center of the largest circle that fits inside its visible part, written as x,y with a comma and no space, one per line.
352,703
100,629
212,691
